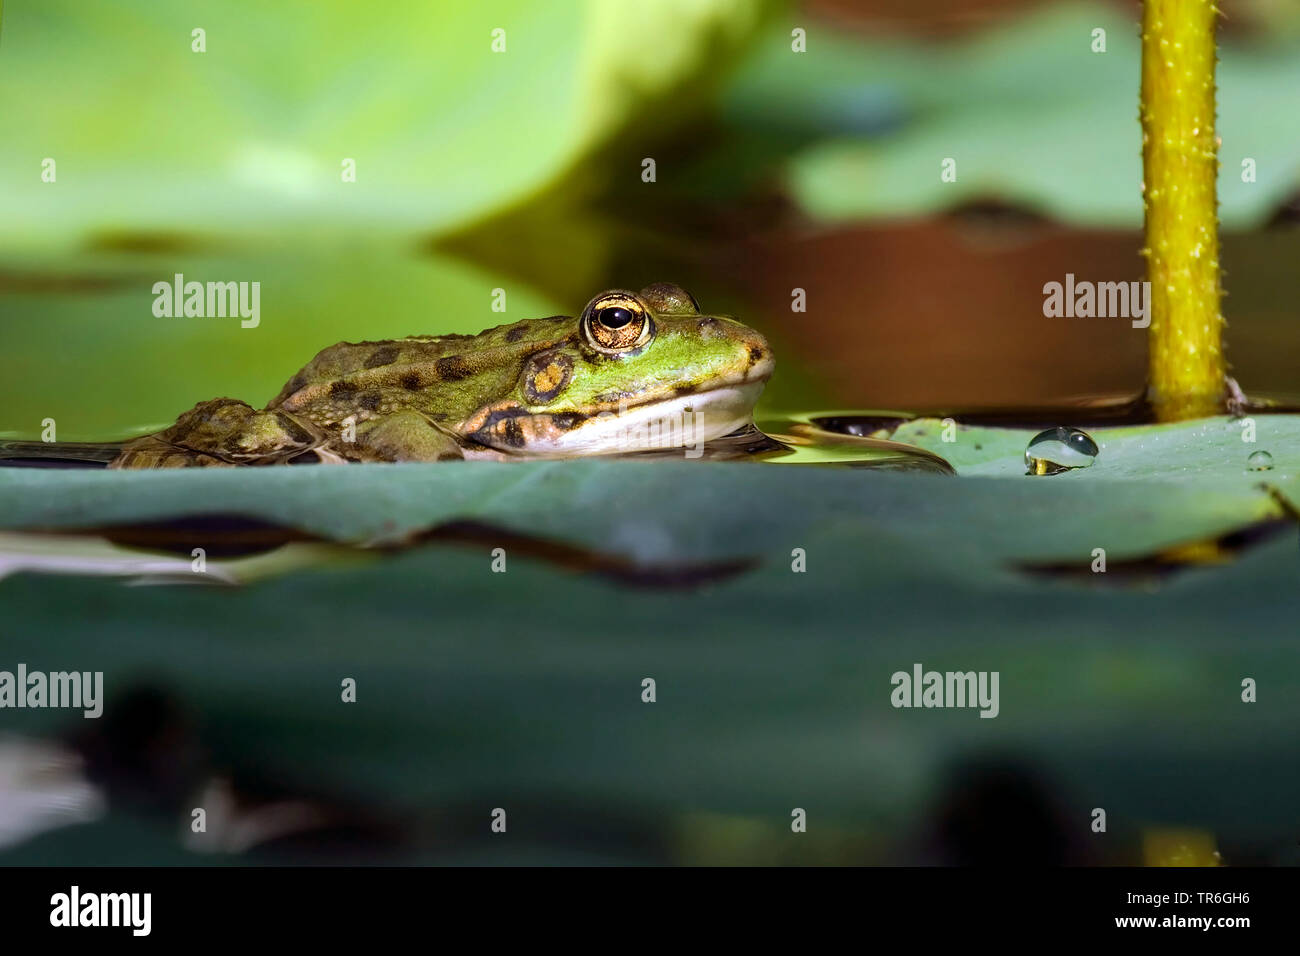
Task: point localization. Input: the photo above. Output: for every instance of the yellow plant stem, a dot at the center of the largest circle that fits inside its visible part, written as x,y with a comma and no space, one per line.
1180,164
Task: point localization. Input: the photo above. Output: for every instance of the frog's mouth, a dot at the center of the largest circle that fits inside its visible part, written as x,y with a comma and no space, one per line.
685,421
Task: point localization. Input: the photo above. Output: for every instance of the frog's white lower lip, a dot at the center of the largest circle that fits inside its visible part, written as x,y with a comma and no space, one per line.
680,422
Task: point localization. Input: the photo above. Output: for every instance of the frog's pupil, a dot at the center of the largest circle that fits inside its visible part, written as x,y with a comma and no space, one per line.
614,318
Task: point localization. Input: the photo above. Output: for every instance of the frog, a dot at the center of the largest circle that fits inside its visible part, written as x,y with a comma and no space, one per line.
630,366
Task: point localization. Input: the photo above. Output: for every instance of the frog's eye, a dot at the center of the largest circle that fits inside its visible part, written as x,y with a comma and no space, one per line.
614,317
616,323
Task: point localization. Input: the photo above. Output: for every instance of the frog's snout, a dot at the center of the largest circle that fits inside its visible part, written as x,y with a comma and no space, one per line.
758,359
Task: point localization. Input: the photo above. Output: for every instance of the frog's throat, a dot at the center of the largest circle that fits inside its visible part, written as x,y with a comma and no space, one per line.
684,421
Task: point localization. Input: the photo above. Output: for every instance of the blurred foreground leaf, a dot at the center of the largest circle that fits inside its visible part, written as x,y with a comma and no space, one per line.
773,692
654,512
522,689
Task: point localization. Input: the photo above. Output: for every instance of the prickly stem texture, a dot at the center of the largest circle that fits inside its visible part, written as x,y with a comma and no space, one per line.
1180,164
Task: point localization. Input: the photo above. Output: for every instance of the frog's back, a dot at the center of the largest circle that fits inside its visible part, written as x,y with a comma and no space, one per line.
438,372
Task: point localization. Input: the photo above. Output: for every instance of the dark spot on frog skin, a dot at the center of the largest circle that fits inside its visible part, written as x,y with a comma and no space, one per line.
683,390
370,401
512,434
296,383
707,322
342,389
293,429
568,420
384,356
546,376
504,423
411,381
452,368
517,333
755,353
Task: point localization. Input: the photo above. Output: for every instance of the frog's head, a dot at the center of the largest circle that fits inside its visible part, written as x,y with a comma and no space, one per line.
636,370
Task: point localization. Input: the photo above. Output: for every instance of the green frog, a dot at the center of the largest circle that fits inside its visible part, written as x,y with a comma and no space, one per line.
635,368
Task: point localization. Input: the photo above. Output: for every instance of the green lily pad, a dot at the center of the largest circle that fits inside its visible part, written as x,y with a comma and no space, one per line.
1210,453
522,689
656,512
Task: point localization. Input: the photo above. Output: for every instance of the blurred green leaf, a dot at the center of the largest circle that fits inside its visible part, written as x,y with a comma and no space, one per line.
251,134
1030,114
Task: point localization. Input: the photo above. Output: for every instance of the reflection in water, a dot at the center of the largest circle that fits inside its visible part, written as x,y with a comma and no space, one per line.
802,440
812,444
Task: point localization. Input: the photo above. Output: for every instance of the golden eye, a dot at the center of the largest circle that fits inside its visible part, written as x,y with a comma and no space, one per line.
616,323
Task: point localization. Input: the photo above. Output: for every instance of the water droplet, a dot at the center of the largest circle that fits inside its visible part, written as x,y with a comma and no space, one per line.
1259,461
1059,449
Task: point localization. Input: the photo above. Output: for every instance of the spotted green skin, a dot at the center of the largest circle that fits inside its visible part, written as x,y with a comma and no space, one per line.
511,391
